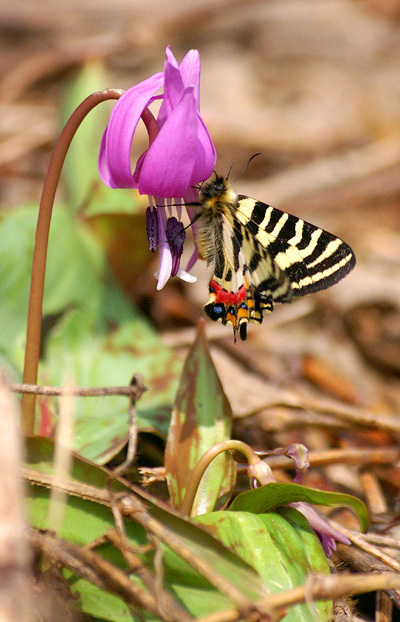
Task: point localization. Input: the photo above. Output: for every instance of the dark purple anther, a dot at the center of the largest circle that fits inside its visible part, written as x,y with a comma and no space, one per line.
176,237
152,228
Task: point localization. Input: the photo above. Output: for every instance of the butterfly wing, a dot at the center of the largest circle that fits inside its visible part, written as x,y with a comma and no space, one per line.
268,255
312,258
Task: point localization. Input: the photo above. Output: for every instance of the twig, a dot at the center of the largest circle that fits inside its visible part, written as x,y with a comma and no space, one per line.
368,547
318,588
349,414
383,607
131,505
386,541
350,455
99,571
164,599
129,391
137,383
364,562
136,566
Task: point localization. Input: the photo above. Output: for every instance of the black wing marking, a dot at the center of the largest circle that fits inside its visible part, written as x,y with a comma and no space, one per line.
312,258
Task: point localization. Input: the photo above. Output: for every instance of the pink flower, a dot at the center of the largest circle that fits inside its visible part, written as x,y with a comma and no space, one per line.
327,534
180,155
260,473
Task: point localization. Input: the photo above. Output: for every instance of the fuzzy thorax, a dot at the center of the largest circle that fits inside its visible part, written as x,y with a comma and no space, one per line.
217,195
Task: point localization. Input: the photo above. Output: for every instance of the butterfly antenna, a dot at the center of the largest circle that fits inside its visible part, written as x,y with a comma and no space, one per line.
230,169
196,217
247,165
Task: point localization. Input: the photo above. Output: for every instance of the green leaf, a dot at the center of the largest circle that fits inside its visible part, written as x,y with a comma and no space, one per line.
95,357
98,339
102,605
201,417
86,520
282,547
75,268
274,495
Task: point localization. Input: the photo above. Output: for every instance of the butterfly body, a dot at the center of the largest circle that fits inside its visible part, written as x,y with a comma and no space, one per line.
260,255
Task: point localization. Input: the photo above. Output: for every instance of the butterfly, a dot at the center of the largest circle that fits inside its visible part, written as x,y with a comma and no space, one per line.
260,255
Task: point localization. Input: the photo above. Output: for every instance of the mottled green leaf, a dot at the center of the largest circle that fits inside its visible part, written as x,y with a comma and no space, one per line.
86,520
98,338
282,547
201,417
274,495
94,357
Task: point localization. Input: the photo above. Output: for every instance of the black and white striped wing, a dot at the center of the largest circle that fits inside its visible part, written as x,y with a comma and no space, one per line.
310,257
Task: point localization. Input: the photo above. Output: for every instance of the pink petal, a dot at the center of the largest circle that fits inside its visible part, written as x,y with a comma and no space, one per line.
114,157
326,533
170,57
168,167
206,155
193,258
173,92
190,72
164,254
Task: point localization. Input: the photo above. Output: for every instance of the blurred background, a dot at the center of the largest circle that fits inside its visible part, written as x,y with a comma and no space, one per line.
311,84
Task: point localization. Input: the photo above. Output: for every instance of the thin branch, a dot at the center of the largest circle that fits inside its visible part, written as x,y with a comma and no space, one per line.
128,391
317,588
137,383
99,571
165,601
381,540
350,455
132,505
367,546
365,562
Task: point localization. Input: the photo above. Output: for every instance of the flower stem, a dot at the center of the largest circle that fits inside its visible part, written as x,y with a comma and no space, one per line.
33,331
203,463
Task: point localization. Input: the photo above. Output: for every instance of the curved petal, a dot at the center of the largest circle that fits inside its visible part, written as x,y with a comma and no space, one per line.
193,258
190,73
168,166
206,155
191,197
164,256
177,79
185,276
170,57
173,92
114,157
325,532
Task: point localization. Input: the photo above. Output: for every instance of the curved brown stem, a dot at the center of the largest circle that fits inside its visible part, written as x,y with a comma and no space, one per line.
34,322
